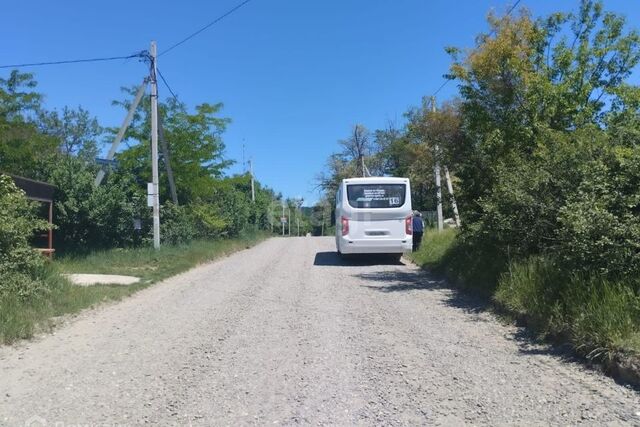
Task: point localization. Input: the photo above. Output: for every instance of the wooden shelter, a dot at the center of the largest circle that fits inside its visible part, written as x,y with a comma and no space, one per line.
40,192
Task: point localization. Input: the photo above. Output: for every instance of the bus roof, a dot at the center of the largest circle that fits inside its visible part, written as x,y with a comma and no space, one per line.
376,180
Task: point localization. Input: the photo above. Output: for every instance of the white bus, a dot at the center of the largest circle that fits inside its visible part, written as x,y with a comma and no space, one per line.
373,216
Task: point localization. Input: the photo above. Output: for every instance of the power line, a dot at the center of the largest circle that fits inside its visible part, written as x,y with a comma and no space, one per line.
76,61
215,21
167,84
446,82
513,7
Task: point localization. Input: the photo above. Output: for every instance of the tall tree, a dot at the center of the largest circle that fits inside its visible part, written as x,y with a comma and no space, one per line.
195,145
357,147
23,148
76,131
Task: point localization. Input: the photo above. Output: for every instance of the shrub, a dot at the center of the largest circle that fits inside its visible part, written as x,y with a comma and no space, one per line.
208,220
176,224
21,268
90,217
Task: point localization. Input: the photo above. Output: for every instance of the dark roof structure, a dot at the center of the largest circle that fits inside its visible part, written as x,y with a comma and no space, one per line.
35,190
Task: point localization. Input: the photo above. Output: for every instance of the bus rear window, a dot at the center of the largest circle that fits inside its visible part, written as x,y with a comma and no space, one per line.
376,195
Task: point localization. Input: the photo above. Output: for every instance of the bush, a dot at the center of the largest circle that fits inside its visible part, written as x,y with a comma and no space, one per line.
597,316
177,224
22,269
208,220
235,205
90,217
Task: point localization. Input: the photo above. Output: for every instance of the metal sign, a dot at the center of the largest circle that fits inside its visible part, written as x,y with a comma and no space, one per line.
150,194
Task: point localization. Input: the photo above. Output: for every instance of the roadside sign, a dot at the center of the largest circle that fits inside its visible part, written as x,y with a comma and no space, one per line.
150,194
283,219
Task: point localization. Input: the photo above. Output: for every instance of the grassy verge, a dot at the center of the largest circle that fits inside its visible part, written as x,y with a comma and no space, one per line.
433,249
21,318
600,319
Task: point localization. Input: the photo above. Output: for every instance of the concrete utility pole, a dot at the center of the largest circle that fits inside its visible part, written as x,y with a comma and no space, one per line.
454,205
154,147
123,128
253,190
167,163
282,219
437,174
289,220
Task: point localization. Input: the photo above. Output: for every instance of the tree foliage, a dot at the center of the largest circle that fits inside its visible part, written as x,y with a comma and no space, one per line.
21,268
194,140
542,165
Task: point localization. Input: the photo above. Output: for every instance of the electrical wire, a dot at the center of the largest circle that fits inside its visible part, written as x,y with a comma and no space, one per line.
446,82
441,86
215,21
513,7
167,84
75,61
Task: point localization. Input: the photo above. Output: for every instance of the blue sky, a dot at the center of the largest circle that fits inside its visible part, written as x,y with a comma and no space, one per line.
294,75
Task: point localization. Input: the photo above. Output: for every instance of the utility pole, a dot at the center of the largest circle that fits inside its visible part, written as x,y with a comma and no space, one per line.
437,174
154,147
289,220
454,205
123,128
167,163
253,190
282,219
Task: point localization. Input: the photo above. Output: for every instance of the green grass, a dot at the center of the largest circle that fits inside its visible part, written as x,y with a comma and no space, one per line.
598,318
20,319
433,248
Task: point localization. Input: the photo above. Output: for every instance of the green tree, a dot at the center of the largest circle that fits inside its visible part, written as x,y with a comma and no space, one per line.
76,131
547,162
195,145
23,148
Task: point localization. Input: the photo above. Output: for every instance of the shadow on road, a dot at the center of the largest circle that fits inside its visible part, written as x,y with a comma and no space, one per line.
528,344
333,259
417,280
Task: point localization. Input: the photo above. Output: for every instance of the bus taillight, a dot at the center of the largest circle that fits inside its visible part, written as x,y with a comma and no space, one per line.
345,226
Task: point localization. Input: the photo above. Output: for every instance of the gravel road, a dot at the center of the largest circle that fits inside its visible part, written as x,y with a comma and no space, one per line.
286,333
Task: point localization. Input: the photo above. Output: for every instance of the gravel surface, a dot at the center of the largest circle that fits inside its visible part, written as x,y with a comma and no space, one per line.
286,333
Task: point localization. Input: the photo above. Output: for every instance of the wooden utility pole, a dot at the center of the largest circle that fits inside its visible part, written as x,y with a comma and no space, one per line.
437,174
154,147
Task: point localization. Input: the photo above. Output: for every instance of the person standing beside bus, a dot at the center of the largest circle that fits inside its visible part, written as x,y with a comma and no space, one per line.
418,230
